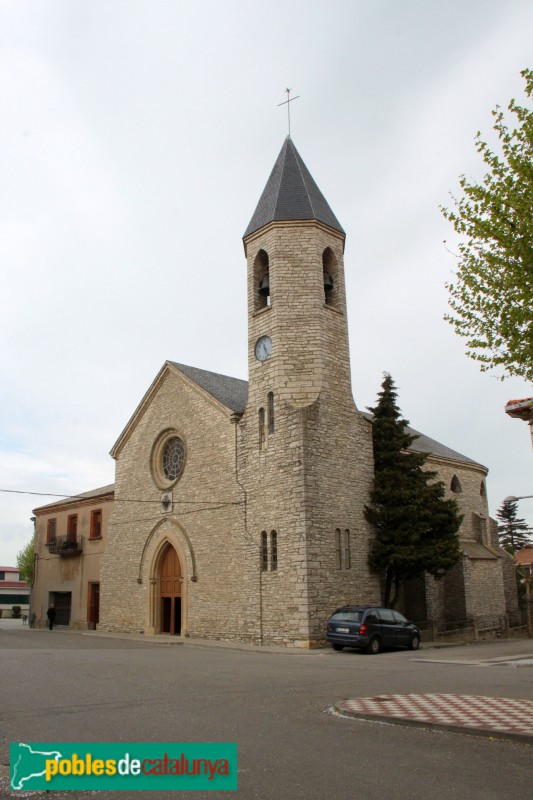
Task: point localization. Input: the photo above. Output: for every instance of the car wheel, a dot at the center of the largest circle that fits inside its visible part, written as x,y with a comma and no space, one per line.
374,646
414,644
338,646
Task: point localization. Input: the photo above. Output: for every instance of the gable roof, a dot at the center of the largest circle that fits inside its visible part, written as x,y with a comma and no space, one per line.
291,194
425,444
231,392
76,499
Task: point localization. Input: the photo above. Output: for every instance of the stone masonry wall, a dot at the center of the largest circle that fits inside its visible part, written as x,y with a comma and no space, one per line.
205,522
314,472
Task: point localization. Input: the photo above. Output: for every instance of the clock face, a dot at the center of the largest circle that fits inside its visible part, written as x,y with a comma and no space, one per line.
263,348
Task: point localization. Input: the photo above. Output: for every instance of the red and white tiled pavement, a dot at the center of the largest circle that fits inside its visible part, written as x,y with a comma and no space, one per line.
488,716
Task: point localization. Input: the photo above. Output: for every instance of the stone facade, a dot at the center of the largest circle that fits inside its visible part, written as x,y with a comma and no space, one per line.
480,591
204,522
311,475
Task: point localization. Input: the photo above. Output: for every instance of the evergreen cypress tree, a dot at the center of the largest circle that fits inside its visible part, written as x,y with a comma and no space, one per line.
416,528
513,533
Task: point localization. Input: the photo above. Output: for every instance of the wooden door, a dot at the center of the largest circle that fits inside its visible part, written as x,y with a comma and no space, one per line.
170,592
93,611
62,602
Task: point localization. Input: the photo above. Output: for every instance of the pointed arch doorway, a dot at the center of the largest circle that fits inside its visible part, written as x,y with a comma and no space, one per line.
170,582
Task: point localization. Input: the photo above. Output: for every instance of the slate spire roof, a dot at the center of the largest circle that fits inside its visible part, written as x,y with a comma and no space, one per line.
291,194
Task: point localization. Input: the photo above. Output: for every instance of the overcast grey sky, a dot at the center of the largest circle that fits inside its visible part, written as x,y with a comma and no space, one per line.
136,139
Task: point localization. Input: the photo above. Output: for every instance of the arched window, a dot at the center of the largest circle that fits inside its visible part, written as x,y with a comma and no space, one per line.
455,485
330,277
346,549
273,551
483,490
261,281
264,551
270,406
338,549
262,432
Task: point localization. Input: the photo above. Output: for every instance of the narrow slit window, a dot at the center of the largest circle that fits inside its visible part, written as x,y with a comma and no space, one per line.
270,413
262,432
264,551
273,551
338,550
347,549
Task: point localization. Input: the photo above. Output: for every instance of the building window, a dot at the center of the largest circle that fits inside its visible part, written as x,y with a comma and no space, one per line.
261,281
455,485
347,549
329,277
96,524
264,551
342,549
72,527
168,458
483,490
262,431
51,531
173,458
338,549
270,413
479,527
273,550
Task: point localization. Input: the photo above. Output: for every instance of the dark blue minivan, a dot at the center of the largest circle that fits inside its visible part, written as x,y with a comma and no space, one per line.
370,628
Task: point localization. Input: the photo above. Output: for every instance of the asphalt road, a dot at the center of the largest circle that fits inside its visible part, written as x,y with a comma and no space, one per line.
64,686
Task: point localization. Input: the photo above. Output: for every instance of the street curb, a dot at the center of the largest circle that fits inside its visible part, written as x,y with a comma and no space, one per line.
485,733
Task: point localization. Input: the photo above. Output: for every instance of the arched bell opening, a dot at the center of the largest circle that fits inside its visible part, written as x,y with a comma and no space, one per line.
330,277
261,281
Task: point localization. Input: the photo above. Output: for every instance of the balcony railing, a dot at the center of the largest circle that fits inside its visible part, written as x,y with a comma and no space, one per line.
66,546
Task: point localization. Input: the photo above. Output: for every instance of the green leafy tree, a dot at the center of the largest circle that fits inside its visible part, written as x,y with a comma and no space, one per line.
513,532
416,528
492,296
25,561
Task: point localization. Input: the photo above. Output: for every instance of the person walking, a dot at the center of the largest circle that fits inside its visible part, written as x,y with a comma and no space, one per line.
51,614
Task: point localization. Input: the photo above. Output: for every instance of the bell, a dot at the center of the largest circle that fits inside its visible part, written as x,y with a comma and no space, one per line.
264,286
328,282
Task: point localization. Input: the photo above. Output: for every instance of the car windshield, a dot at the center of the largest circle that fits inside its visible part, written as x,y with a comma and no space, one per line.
346,616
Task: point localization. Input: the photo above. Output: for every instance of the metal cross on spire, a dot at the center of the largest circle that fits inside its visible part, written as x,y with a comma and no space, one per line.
287,103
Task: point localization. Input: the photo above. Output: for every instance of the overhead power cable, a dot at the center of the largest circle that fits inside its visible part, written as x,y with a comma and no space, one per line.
218,503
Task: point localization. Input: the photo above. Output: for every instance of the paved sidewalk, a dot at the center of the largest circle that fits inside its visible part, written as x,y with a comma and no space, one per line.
497,717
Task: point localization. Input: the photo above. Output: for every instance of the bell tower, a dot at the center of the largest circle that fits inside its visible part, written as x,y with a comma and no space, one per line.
296,296
307,452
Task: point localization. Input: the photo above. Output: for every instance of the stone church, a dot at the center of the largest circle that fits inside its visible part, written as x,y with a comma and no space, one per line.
238,506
